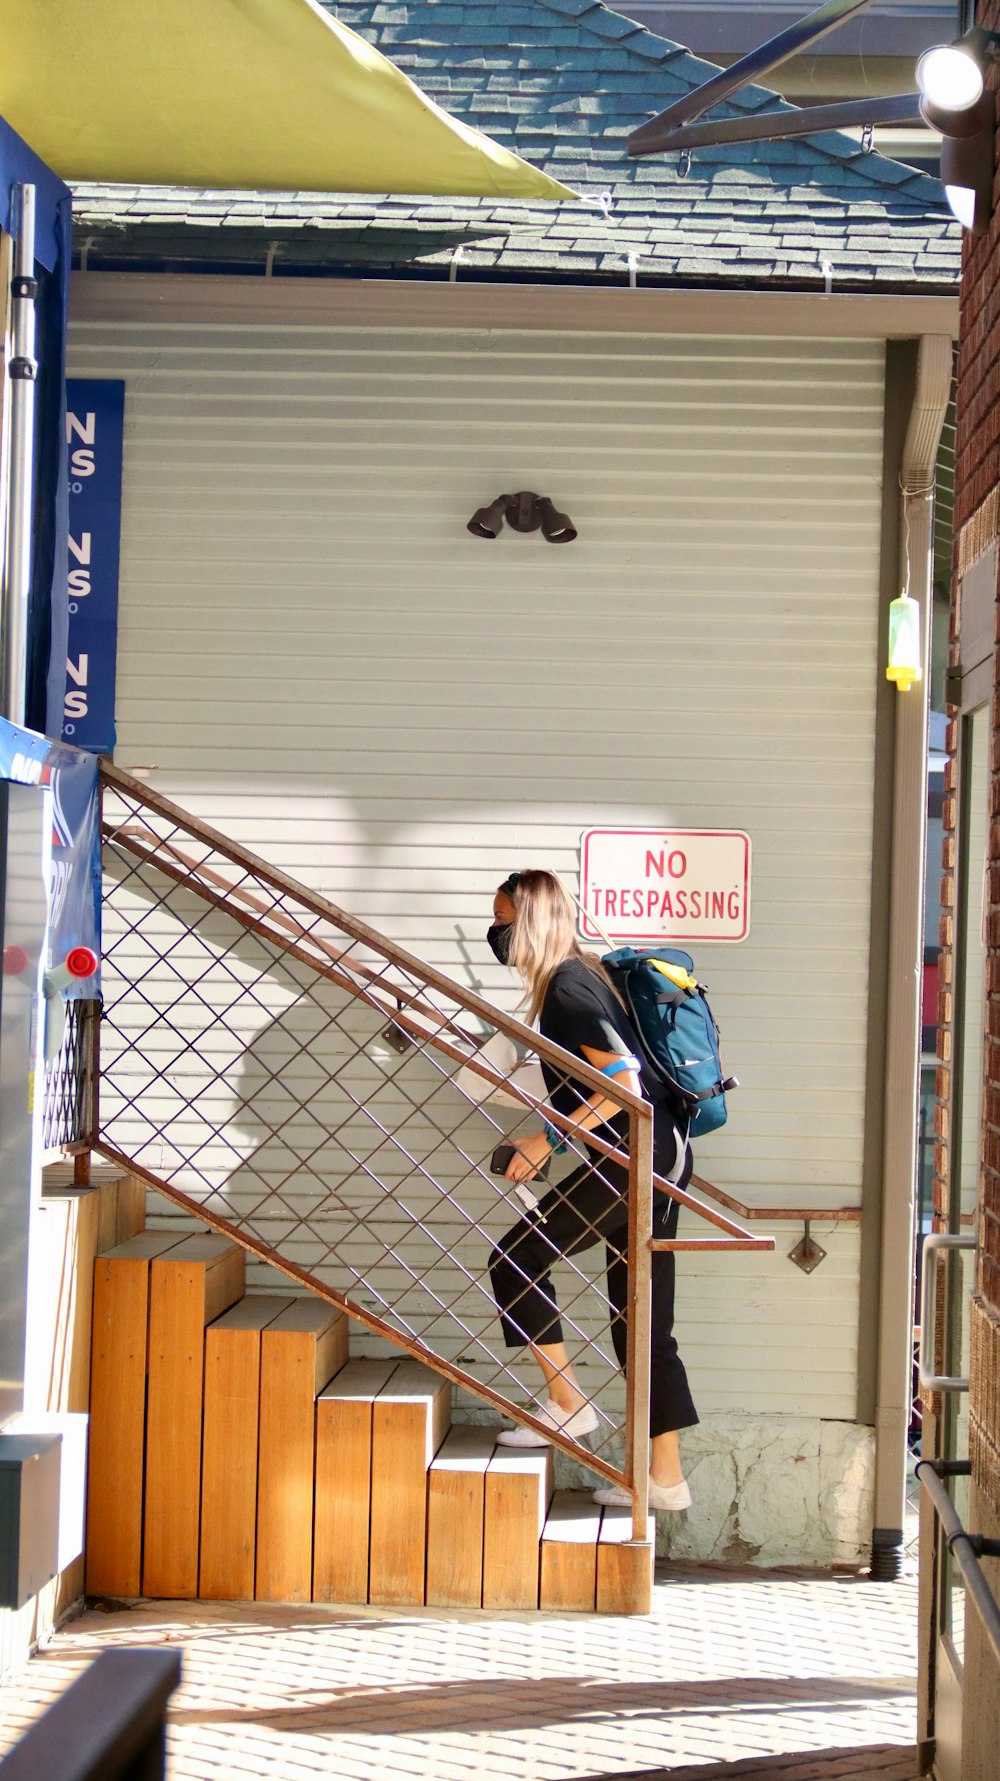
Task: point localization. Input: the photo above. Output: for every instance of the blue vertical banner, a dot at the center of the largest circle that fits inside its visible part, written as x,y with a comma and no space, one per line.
95,424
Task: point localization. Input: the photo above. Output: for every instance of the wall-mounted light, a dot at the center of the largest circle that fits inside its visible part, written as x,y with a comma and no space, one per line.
956,101
525,512
950,75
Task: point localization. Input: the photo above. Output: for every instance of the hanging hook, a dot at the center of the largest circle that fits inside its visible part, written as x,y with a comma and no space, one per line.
604,202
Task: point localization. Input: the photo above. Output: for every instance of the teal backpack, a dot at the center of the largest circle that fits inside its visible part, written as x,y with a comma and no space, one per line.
677,1034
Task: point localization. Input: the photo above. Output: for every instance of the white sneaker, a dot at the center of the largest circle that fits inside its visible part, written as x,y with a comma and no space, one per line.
661,1496
573,1423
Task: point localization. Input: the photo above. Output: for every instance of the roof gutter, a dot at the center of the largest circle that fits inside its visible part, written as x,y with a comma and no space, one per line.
468,303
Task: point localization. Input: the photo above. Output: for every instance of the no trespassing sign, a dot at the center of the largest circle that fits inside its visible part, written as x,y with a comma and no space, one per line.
644,885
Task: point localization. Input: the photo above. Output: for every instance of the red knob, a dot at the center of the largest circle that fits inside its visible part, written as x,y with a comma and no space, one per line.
81,962
15,960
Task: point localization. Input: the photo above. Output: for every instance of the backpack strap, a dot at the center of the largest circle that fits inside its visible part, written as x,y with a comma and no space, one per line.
680,1152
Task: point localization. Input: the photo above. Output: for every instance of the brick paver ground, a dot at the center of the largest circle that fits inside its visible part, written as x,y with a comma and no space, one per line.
872,1762
730,1666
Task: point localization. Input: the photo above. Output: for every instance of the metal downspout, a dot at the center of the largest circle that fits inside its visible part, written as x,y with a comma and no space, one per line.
902,1073
21,372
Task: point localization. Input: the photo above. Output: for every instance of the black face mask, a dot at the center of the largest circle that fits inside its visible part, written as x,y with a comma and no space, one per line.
498,940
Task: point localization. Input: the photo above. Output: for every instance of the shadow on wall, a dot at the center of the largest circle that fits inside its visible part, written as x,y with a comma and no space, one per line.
367,1169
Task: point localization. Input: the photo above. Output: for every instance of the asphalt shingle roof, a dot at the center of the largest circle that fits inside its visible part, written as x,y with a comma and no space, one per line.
564,82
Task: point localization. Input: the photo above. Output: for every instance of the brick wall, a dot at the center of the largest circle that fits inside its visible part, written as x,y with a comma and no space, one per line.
977,525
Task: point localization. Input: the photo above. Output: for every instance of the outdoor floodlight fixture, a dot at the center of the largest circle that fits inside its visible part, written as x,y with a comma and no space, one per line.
956,101
525,512
950,75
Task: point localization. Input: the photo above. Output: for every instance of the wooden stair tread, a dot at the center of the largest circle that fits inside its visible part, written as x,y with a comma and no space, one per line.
203,1246
522,1461
616,1527
573,1519
412,1383
251,1313
142,1247
360,1381
308,1317
466,1448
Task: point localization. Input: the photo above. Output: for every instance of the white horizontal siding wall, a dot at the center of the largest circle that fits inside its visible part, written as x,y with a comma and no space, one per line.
318,657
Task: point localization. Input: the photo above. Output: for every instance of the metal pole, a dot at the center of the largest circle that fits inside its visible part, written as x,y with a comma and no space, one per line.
22,370
790,42
640,1263
905,966
965,1549
773,126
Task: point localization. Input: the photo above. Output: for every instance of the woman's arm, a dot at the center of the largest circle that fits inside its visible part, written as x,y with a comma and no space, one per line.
530,1152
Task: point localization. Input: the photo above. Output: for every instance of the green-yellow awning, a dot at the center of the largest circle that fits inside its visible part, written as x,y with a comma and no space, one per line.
247,95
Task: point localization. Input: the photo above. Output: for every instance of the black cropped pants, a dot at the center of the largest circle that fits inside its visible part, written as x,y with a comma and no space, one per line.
589,1206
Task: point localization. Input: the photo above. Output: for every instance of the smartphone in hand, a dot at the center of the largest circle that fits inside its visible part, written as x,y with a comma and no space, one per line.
501,1159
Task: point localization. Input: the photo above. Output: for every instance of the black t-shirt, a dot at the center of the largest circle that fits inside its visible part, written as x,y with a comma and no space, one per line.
581,1008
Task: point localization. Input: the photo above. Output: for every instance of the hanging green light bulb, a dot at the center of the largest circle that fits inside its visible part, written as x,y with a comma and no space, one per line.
904,642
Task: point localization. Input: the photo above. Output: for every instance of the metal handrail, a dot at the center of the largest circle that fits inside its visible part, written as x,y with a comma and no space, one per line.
69,1114
163,849
349,924
966,1548
932,1245
407,1011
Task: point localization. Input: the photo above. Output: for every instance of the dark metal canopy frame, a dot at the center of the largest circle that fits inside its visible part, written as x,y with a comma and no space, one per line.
677,128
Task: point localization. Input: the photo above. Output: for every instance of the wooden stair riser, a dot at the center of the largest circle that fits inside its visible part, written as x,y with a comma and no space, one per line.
568,1579
456,1509
229,1449
189,1287
116,1454
300,1352
410,1419
342,1523
518,1491
624,1567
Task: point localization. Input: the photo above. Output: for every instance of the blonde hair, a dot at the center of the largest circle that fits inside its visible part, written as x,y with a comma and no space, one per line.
544,935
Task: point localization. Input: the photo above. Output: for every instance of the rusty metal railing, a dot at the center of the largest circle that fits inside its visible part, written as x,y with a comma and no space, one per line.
302,1084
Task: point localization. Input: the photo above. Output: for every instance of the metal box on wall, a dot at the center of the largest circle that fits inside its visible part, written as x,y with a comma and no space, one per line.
29,1515
24,855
